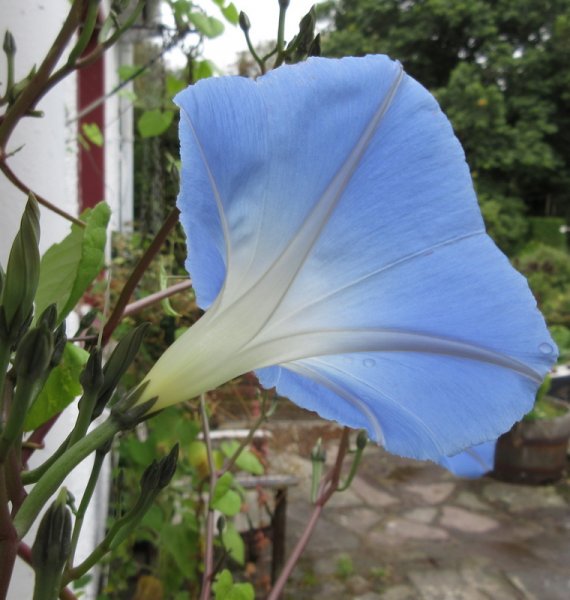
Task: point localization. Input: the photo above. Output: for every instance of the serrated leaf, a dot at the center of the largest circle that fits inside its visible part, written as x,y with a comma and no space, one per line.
231,13
246,461
233,543
68,268
209,26
92,132
60,389
229,504
154,122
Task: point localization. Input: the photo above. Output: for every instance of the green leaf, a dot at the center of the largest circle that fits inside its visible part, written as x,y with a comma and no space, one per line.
224,588
246,461
203,69
229,504
127,71
174,85
180,543
61,388
233,543
154,122
67,268
209,26
223,484
92,132
231,13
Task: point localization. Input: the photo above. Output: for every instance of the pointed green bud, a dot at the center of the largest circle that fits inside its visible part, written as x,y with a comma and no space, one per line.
59,342
168,467
34,353
318,453
150,479
118,363
283,3
91,378
9,45
52,545
86,321
361,440
315,47
49,317
2,278
22,272
244,22
221,524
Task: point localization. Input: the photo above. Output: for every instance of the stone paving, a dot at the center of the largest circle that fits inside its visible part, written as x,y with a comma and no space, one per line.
407,530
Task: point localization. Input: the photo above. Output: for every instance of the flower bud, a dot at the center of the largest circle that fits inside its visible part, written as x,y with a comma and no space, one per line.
22,272
9,45
59,342
91,378
49,317
244,22
168,467
52,544
34,354
361,440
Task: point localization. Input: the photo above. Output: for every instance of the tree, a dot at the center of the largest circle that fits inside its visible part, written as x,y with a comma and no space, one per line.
499,70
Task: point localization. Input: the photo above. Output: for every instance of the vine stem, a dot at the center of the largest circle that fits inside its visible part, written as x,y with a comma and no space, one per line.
57,472
8,537
328,488
137,273
209,552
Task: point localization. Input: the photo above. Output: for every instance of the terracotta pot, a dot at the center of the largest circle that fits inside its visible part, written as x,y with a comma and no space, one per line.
534,452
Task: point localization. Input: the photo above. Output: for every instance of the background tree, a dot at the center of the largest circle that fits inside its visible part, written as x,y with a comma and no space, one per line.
499,70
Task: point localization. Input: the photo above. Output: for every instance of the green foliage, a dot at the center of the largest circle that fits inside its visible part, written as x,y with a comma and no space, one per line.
344,567
233,543
561,335
93,134
224,588
246,461
548,230
548,272
154,122
60,389
69,267
499,70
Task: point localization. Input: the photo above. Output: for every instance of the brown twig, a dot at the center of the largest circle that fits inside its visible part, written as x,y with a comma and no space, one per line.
135,307
209,551
13,178
328,488
137,273
37,87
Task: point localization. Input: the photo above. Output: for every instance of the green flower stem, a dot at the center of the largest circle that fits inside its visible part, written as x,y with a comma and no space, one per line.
117,534
86,406
27,391
34,475
281,34
258,60
4,362
86,32
85,500
353,469
54,476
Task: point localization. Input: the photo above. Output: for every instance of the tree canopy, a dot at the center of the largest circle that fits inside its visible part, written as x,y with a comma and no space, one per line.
500,71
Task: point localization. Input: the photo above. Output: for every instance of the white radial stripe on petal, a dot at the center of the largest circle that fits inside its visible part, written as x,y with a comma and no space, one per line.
215,191
278,278
394,264
352,399
409,416
342,341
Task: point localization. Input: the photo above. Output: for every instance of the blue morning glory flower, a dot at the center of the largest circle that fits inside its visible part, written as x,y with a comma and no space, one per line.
335,240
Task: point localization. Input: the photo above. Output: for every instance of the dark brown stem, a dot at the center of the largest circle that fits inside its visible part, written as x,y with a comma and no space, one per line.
135,307
25,553
36,89
328,488
13,178
137,273
37,439
8,538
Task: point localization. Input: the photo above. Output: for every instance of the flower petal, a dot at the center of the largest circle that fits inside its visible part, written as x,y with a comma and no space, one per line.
334,231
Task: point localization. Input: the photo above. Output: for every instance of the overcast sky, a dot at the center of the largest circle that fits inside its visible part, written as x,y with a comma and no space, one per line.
263,15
